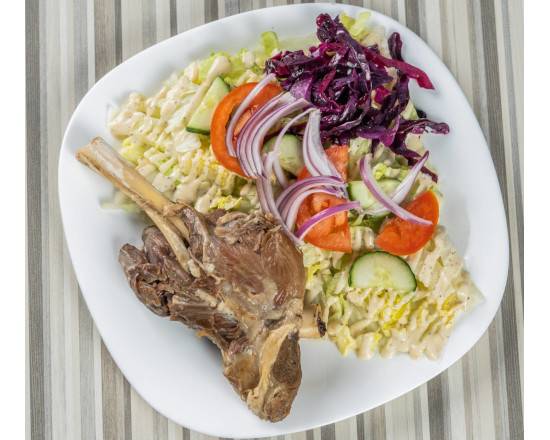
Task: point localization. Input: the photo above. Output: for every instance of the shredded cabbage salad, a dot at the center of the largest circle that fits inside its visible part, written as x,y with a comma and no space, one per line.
181,165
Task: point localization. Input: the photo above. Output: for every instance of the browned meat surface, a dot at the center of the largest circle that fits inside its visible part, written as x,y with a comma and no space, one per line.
242,288
237,279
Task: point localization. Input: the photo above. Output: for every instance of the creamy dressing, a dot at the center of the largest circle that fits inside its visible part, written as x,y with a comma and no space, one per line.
203,202
370,321
176,162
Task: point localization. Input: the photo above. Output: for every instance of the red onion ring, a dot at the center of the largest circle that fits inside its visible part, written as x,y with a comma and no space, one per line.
400,193
270,160
267,203
285,206
311,165
241,109
246,133
382,198
308,183
315,157
324,214
319,158
264,205
262,128
290,210
277,147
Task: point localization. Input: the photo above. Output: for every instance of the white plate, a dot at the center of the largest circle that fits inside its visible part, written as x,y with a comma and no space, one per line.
180,375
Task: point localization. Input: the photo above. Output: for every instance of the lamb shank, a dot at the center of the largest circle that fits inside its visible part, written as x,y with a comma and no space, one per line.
235,278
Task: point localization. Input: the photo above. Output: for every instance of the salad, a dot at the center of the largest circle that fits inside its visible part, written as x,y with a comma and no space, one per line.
327,141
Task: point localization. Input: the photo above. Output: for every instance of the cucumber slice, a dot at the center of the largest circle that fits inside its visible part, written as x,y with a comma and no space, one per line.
358,191
290,153
202,118
382,270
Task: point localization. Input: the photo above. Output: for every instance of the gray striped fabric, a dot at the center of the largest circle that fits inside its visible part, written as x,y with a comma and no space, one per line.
75,389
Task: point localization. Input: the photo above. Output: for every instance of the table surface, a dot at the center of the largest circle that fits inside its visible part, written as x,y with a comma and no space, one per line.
75,391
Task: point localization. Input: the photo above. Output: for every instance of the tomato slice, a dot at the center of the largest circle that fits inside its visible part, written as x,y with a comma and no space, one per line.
400,237
333,233
222,114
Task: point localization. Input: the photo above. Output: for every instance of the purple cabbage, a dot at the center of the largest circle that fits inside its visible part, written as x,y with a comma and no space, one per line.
395,45
354,89
380,93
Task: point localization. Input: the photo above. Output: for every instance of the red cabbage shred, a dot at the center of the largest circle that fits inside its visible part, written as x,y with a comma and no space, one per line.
351,86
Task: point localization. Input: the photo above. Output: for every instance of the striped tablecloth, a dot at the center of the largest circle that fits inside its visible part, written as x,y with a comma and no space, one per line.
75,391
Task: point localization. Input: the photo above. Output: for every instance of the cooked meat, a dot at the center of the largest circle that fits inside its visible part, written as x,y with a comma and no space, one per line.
235,278
246,296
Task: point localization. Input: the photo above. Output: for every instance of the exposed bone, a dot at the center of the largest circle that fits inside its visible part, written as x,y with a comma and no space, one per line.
102,158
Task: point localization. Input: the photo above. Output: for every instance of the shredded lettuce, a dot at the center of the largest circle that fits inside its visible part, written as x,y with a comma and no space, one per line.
205,64
269,45
131,150
269,42
245,67
227,203
357,27
410,111
344,340
369,321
